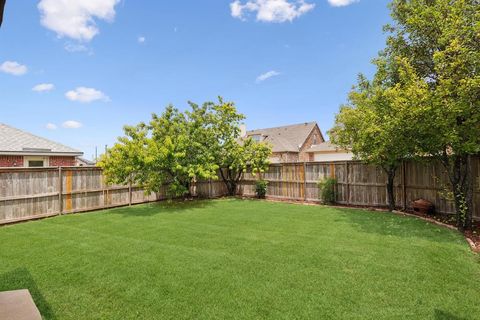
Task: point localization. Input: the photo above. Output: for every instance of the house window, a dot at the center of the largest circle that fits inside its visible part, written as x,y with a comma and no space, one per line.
314,139
35,163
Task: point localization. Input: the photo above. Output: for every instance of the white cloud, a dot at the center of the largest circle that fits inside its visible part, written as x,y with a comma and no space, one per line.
51,126
43,87
341,3
85,95
141,39
267,75
13,67
236,9
271,10
76,18
72,124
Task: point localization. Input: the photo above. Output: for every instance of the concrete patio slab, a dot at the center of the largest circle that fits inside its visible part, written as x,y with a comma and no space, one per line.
18,305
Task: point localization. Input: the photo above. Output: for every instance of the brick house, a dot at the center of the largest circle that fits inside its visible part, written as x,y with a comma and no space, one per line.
289,143
299,143
22,149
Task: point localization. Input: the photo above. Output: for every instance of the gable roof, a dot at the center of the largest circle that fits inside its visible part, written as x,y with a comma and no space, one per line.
16,141
86,162
287,138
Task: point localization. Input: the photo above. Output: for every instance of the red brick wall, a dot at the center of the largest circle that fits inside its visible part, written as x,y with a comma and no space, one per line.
61,162
309,142
11,161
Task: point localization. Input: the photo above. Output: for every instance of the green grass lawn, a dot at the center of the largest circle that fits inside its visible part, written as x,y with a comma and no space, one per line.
241,259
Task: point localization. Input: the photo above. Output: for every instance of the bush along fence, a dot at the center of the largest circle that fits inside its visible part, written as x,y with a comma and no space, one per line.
30,193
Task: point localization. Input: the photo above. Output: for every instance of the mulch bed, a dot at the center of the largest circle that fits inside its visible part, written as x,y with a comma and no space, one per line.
472,236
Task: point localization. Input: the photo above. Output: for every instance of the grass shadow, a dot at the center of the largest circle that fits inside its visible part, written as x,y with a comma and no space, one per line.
161,207
390,224
22,279
443,315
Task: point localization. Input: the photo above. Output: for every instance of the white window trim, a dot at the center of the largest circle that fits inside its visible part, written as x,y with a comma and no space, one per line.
26,159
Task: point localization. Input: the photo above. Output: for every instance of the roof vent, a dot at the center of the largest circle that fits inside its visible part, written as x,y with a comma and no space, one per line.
36,150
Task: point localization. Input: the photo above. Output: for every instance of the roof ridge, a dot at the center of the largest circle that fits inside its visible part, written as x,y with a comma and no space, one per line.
285,126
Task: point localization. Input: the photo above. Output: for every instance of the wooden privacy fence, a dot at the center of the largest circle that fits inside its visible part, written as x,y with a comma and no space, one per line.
38,192
29,193
362,185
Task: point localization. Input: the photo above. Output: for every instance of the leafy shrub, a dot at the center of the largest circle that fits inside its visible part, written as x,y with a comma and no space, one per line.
328,190
261,188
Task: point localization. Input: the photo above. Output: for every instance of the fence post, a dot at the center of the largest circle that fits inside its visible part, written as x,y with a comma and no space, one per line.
60,191
305,181
404,185
347,183
103,189
210,188
130,190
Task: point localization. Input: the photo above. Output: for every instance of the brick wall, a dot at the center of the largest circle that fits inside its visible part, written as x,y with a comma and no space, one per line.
315,137
62,162
11,161
284,157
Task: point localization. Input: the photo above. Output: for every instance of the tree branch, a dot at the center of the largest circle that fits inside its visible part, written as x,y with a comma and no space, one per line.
2,8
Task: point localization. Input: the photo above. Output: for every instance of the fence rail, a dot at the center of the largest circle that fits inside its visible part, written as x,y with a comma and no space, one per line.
29,193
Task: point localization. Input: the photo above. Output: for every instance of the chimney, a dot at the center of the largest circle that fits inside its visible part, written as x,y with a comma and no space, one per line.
243,131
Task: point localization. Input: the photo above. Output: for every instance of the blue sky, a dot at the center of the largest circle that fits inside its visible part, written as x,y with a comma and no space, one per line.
76,74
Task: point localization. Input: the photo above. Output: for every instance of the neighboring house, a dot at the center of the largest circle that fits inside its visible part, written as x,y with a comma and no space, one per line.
289,143
22,149
327,151
82,162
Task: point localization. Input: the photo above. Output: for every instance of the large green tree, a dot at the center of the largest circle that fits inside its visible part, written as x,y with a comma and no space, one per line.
177,148
232,153
441,39
378,123
172,151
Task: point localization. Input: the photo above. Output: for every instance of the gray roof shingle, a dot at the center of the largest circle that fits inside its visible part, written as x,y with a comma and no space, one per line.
287,138
14,140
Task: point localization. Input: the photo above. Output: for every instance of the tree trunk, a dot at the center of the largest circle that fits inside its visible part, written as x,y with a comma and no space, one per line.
391,188
188,193
469,194
230,182
460,175
232,188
